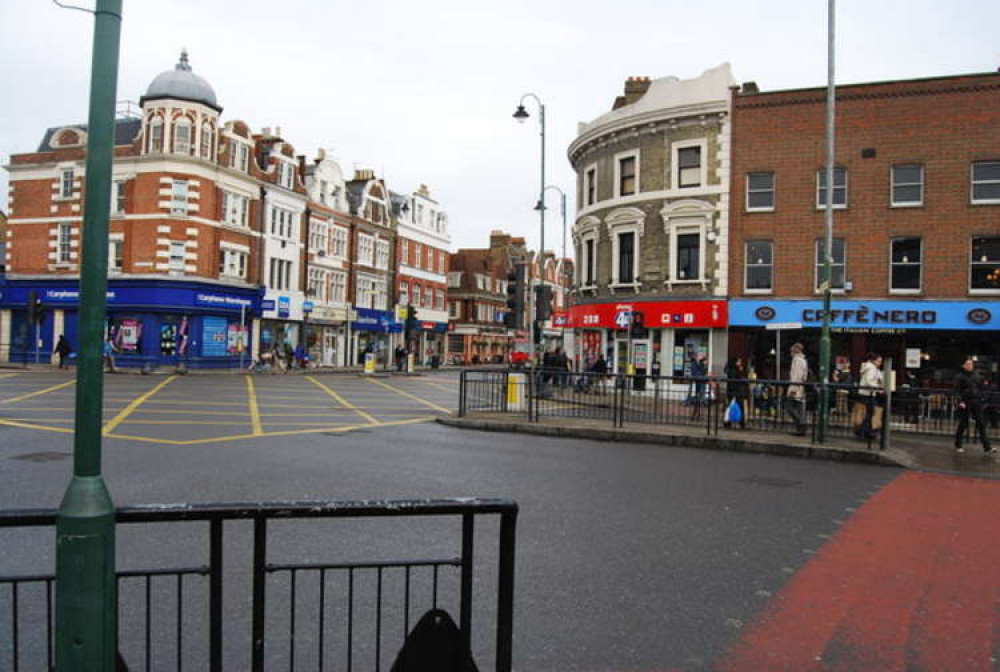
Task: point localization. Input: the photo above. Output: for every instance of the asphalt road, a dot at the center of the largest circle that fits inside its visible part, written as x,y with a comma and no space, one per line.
629,557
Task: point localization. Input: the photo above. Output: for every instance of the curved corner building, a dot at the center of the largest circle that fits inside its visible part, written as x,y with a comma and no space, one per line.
652,226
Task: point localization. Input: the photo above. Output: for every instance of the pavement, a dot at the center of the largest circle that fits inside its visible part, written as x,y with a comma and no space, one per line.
911,451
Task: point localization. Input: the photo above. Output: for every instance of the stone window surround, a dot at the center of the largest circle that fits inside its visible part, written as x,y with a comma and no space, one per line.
633,153
586,172
625,220
683,217
675,148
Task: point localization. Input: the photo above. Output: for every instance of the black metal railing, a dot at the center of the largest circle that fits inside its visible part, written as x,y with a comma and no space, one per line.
160,610
618,399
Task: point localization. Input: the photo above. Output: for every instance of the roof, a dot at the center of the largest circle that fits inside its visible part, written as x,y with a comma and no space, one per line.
126,131
181,84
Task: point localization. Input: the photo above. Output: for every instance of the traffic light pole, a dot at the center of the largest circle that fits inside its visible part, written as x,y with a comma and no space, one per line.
85,526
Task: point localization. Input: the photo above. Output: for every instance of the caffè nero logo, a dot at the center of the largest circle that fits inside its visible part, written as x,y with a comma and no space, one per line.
765,313
979,316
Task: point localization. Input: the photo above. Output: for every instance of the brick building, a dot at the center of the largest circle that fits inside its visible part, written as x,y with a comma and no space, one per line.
651,229
422,270
477,300
184,245
916,223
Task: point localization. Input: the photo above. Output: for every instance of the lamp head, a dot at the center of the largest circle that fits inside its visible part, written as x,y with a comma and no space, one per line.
521,114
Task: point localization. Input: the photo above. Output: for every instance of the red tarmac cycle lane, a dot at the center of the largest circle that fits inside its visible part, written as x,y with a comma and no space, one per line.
909,582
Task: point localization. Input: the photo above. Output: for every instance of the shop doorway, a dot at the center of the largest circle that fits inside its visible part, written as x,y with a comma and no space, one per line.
689,344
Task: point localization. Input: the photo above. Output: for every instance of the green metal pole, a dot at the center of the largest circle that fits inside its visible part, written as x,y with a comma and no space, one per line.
85,528
823,412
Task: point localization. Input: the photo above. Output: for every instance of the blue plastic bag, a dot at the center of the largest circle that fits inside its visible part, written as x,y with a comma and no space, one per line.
735,412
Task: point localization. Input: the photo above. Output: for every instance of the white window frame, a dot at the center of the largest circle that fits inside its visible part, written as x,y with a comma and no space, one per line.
207,141
179,148
404,292
179,197
339,242
338,286
980,291
893,203
235,260
173,257
773,191
67,180
235,204
585,282
818,265
454,279
675,169
64,240
156,135
920,283
404,251
439,299
587,202
118,197
632,153
454,310
821,201
366,249
116,242
319,234
973,183
382,254
747,265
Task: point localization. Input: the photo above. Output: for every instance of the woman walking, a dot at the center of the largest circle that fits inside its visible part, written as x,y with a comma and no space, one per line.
870,393
737,389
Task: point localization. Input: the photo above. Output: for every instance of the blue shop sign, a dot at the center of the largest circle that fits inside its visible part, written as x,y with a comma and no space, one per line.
370,319
267,304
307,306
166,295
867,316
284,306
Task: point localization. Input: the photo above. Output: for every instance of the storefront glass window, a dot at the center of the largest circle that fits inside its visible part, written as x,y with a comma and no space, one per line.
126,335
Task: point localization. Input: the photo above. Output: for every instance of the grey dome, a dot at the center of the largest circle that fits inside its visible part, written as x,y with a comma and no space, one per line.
182,84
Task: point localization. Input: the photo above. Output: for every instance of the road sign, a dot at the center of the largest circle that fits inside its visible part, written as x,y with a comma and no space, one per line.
781,326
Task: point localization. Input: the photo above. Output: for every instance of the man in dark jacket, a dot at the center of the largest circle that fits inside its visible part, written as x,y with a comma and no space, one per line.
969,390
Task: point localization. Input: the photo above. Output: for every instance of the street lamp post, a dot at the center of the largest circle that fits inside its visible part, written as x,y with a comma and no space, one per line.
85,525
562,204
824,343
521,115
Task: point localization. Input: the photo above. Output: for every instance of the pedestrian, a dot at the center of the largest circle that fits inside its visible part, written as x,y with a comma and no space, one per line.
699,374
561,363
796,393
969,386
109,356
870,393
63,350
737,389
399,354
301,356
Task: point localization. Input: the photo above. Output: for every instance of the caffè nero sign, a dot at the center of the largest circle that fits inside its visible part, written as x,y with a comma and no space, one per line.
862,316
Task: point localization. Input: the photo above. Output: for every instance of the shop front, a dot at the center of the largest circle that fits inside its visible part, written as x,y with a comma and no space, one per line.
371,333
430,342
674,334
325,331
929,339
150,323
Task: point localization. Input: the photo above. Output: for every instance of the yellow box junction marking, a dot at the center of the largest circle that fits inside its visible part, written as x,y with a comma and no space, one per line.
7,375
39,392
254,410
128,410
343,402
429,404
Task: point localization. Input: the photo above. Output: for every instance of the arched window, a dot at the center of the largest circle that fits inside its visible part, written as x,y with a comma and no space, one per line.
156,135
182,137
207,141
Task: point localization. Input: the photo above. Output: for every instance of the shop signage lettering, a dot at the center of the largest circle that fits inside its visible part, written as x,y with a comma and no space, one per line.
68,295
221,300
267,304
765,313
865,316
656,314
284,306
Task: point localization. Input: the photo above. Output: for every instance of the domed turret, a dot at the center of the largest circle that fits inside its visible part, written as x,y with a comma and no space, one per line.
181,84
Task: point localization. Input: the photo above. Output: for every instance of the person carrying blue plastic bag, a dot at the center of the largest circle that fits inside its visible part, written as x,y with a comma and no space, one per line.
738,392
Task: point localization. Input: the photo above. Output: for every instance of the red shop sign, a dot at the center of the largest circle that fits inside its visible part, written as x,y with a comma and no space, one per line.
657,314
560,318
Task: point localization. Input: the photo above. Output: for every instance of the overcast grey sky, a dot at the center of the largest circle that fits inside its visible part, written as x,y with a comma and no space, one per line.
424,92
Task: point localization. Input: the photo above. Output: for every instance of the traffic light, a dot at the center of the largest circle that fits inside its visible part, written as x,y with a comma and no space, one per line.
514,317
638,325
543,302
34,307
411,319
